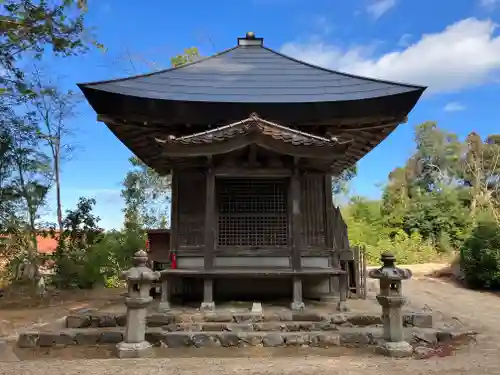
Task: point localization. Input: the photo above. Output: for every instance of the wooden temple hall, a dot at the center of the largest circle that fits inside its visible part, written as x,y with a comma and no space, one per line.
252,139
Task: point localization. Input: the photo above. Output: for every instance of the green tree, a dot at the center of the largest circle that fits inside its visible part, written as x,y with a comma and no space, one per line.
190,55
147,197
29,27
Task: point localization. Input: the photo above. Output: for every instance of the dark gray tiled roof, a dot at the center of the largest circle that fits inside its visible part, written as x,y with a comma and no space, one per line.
251,74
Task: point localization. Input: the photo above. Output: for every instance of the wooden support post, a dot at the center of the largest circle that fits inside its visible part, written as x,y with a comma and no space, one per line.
208,295
296,220
208,300
330,239
209,220
174,212
343,285
297,303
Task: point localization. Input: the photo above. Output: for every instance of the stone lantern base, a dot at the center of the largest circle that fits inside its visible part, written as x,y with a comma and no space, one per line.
398,349
134,350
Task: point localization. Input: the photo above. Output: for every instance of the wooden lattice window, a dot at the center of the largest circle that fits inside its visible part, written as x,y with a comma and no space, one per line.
252,212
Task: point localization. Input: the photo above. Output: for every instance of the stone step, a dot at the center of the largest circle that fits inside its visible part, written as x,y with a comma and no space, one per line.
158,336
223,320
290,326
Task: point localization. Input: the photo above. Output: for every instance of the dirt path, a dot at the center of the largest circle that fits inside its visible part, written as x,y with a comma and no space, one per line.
18,313
474,310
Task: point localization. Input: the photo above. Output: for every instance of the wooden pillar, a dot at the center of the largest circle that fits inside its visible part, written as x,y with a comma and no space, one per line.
208,301
330,238
209,220
296,220
164,304
297,303
174,213
343,285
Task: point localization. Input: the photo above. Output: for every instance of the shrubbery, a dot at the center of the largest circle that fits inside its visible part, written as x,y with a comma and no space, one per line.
480,256
87,256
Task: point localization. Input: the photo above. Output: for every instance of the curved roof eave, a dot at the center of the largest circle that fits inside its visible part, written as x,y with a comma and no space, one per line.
250,74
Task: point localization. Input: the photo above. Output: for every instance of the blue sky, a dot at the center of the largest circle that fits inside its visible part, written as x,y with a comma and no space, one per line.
451,46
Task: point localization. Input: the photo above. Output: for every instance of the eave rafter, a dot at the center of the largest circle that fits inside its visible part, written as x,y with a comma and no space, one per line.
345,145
254,131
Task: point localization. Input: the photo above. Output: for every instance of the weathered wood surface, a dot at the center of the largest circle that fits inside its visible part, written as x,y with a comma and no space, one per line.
253,272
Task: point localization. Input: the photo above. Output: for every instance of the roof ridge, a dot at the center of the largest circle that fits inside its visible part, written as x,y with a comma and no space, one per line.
343,73
156,72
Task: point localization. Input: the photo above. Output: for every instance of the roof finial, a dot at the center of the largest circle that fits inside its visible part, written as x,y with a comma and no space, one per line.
250,40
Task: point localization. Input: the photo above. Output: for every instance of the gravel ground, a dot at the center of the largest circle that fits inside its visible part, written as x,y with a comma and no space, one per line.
473,310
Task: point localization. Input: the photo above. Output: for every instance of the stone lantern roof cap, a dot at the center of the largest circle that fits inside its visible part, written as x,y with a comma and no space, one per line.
389,271
140,272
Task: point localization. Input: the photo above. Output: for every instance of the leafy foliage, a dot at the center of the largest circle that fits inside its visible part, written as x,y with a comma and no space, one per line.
430,206
480,255
87,256
190,55
147,195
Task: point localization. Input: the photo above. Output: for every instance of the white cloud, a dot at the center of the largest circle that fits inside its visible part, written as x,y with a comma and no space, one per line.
464,54
489,4
454,107
404,41
379,7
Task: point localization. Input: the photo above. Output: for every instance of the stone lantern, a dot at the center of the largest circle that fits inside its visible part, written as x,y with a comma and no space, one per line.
391,299
139,282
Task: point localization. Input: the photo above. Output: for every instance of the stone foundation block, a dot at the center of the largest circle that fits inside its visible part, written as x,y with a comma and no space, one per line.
338,319
296,339
364,320
247,317
88,337
326,340
111,337
305,316
207,327
239,327
356,337
78,321
399,349
281,316
134,350
28,340
177,339
155,336
104,321
50,339
250,338
228,339
220,317
273,340
158,320
204,340
270,326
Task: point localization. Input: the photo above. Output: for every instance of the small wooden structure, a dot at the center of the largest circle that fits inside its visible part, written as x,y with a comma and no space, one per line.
159,248
252,139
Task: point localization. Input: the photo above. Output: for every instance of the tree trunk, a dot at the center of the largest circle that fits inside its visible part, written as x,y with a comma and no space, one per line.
58,185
